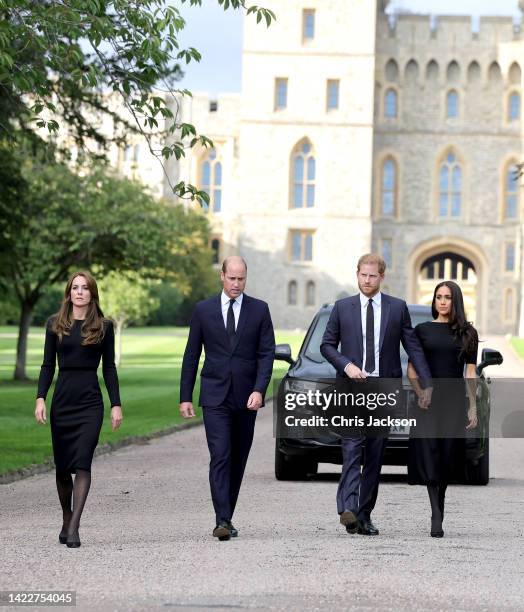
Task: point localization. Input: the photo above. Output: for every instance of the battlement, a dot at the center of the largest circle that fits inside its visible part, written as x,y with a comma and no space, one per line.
448,29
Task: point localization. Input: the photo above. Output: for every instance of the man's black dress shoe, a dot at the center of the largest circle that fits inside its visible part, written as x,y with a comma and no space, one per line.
221,531
232,529
367,528
349,520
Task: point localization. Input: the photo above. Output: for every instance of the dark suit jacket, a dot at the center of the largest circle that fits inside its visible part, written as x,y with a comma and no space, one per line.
247,365
345,327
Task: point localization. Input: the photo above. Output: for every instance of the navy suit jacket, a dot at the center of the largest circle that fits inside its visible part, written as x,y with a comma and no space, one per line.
247,365
345,327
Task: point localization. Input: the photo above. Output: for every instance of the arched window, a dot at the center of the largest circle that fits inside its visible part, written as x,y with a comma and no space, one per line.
211,180
215,248
452,104
388,196
474,74
494,73
514,106
453,72
509,257
411,72
515,74
391,104
432,71
310,293
391,71
292,293
303,168
450,187
511,193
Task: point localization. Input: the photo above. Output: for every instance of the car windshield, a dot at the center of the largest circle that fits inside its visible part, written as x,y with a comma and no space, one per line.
312,348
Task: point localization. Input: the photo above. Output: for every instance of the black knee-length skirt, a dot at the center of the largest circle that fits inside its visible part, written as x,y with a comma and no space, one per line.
77,412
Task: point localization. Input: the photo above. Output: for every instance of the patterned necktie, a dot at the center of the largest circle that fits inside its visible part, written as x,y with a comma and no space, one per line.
370,338
230,325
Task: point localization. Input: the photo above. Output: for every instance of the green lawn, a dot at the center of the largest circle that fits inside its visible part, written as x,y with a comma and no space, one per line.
518,345
149,377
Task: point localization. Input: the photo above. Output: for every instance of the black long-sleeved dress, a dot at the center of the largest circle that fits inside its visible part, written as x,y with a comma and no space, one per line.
435,445
77,409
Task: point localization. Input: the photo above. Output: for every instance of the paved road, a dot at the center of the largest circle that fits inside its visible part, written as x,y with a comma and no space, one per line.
147,543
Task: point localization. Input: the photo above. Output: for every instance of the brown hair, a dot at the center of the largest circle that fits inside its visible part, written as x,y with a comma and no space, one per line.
372,258
92,326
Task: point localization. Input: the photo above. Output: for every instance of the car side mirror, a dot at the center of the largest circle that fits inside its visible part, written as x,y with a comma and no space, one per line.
489,357
283,353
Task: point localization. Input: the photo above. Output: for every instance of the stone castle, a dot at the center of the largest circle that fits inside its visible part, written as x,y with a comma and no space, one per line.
356,130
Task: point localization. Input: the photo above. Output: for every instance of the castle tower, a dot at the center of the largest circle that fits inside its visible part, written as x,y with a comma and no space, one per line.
305,153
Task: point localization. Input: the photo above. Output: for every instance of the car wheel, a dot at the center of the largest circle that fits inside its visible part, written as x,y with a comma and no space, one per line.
292,468
477,473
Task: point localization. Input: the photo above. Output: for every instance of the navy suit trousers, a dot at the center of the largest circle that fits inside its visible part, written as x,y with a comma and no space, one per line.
358,492
229,433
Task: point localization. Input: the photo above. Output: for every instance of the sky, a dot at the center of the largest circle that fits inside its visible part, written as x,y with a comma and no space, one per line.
217,34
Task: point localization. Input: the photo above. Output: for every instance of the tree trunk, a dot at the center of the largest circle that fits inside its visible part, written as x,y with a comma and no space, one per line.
26,316
118,340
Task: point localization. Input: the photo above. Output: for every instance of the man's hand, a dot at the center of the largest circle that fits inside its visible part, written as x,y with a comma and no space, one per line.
352,371
187,410
255,401
424,399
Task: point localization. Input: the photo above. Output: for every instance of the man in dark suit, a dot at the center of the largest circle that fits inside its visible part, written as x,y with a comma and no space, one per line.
369,327
237,335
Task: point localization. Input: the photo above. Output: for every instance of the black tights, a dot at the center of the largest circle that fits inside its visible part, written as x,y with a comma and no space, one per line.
72,492
437,496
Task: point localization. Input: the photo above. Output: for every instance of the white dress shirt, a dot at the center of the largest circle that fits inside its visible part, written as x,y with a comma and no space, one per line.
377,304
237,305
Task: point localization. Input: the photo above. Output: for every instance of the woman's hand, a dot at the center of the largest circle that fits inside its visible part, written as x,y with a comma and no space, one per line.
116,417
472,418
40,412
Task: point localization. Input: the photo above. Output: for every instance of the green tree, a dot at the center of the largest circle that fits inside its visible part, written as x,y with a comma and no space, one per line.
63,221
126,298
59,59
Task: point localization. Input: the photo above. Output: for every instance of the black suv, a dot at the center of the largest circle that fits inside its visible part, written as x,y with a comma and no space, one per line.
296,458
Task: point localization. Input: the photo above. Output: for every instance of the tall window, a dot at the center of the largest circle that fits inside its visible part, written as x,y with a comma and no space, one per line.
509,257
452,105
511,194
332,94
308,24
292,293
215,248
450,187
386,250
310,293
301,245
303,165
391,104
389,188
514,107
280,94
211,172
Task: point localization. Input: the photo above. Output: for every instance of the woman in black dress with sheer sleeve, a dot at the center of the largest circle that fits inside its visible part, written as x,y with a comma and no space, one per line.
450,346
79,336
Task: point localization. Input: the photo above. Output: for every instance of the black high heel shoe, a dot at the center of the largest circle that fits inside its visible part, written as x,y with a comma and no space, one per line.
73,540
436,527
62,537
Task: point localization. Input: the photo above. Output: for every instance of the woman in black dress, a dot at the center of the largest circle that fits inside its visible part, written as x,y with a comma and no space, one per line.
450,346
79,335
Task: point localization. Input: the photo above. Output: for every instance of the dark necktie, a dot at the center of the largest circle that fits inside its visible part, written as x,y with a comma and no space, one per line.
370,338
230,324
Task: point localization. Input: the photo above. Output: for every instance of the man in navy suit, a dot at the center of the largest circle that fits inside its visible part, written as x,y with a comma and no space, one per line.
369,327
237,335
